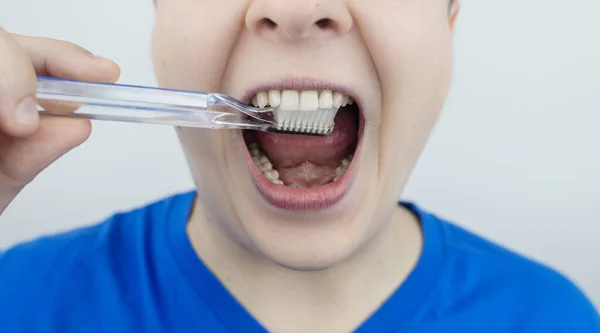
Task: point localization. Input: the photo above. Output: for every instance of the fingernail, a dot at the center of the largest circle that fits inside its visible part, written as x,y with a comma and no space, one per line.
27,112
97,57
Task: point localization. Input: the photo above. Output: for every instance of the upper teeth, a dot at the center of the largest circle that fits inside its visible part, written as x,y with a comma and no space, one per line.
291,104
305,100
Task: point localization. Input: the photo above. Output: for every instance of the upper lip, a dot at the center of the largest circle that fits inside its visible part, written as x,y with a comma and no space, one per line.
300,83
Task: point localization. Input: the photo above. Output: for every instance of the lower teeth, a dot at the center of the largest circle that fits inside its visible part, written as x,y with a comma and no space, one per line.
266,167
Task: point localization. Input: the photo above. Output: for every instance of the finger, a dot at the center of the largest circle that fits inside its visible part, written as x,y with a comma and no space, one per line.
23,158
56,58
18,109
59,106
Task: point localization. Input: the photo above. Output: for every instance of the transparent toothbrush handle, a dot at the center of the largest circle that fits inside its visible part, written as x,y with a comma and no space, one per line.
116,102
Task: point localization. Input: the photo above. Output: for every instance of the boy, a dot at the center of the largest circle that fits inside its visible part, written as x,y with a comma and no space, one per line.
330,249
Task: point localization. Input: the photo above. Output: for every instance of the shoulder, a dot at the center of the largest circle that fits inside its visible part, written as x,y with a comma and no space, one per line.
489,276
64,250
52,274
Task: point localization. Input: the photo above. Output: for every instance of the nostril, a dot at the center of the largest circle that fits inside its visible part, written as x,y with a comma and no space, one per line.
324,23
267,22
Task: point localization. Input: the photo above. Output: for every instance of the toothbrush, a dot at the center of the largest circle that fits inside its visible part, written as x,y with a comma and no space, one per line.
135,104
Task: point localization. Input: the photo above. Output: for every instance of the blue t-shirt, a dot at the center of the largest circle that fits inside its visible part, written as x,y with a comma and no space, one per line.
137,272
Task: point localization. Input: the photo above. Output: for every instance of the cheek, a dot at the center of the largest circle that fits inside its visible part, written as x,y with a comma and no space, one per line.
407,39
190,50
410,43
192,42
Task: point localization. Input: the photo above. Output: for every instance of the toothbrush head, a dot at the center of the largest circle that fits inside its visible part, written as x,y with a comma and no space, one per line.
319,122
302,112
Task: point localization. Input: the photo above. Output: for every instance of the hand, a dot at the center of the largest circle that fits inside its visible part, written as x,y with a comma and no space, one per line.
30,143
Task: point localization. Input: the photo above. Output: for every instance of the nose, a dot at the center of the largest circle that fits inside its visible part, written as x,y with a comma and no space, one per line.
298,19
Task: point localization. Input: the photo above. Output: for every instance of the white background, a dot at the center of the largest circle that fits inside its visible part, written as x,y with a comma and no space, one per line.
514,157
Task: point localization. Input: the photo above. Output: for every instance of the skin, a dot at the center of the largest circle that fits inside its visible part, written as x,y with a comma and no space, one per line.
318,272
29,144
400,56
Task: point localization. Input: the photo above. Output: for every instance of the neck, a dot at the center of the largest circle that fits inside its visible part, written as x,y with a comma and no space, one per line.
280,298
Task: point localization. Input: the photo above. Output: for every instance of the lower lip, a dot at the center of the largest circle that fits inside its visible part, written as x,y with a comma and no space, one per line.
305,199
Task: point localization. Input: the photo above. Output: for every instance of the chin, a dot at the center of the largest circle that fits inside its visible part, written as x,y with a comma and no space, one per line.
307,255
308,264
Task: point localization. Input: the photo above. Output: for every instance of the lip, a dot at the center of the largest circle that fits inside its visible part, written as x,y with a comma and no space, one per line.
305,199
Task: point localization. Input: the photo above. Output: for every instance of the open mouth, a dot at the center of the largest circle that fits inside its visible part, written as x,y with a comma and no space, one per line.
302,172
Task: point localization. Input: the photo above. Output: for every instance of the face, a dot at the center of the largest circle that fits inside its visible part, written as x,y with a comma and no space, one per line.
386,63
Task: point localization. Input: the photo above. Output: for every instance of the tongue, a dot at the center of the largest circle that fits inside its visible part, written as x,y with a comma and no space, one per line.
310,161
306,175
